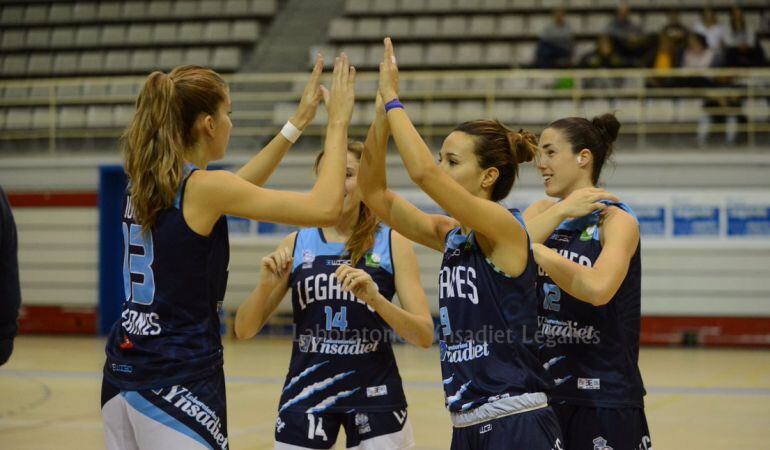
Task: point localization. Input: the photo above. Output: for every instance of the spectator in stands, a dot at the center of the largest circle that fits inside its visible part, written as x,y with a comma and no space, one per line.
666,57
603,56
675,32
10,293
629,38
741,42
556,44
710,27
698,54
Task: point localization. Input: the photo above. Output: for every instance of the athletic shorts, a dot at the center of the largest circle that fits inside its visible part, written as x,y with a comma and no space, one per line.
364,430
588,428
531,430
191,415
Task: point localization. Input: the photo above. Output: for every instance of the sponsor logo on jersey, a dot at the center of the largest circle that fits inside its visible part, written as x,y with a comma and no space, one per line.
312,344
486,428
589,383
373,260
122,368
568,331
337,262
463,352
362,422
279,425
601,444
186,402
588,233
307,259
377,391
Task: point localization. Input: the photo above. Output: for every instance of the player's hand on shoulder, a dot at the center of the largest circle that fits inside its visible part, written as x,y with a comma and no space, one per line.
584,201
276,266
357,281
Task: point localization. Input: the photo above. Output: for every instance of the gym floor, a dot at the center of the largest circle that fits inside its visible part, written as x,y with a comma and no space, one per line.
696,398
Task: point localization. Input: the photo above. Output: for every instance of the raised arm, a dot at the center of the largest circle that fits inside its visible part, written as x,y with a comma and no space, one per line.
487,218
263,164
219,192
544,216
426,229
412,321
264,299
598,284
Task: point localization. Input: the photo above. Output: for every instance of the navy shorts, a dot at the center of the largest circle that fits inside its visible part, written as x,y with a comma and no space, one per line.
589,428
190,415
531,430
364,430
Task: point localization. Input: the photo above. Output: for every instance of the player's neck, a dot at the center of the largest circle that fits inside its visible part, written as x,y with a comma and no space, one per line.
198,157
580,184
341,231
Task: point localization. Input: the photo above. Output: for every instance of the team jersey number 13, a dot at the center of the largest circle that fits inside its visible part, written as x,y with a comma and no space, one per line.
142,292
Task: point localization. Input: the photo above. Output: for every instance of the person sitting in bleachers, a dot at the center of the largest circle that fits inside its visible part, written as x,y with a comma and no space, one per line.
709,26
603,56
667,56
741,49
698,54
556,44
675,31
629,39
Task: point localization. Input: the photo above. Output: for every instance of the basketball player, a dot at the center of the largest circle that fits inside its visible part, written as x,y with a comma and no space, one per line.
342,370
163,384
495,386
589,285
10,291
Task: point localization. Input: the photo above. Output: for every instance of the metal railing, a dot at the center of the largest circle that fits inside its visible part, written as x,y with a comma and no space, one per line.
647,101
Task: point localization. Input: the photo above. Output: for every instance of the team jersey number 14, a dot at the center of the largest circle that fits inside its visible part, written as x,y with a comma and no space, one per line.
134,263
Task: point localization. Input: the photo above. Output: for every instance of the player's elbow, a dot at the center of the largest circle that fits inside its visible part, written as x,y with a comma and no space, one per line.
599,293
329,215
245,331
422,172
425,337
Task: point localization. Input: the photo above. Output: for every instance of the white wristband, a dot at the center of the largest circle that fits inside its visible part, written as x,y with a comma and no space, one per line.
290,132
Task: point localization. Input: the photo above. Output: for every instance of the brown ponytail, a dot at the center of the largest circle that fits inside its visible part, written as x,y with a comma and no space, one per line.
161,131
364,231
497,146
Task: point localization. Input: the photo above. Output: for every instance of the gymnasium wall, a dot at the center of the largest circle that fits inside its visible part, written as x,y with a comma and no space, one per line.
705,250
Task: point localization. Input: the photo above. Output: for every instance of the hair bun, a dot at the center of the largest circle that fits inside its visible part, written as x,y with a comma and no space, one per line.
608,127
523,145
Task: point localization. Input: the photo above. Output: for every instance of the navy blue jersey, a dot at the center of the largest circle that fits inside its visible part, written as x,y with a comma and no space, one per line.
174,283
486,316
341,358
591,352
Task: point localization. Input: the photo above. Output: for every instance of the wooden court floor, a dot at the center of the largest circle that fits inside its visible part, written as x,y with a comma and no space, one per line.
697,398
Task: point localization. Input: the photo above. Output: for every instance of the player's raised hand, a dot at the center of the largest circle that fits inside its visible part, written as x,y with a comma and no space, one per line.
388,86
584,201
357,281
275,266
343,91
311,97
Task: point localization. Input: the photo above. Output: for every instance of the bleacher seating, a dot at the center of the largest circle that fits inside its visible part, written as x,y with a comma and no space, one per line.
503,31
65,38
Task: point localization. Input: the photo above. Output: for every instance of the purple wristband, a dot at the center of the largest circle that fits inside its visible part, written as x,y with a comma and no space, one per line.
393,104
